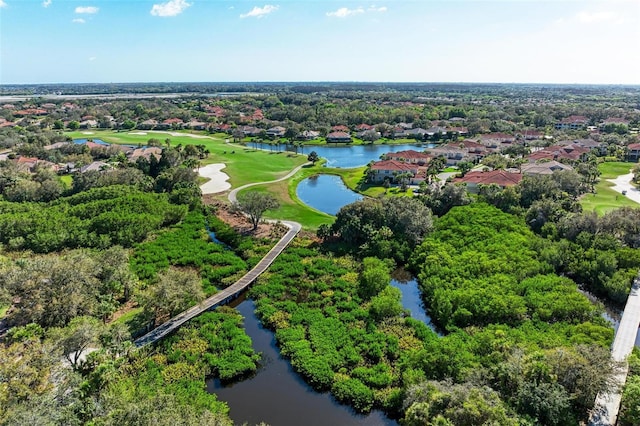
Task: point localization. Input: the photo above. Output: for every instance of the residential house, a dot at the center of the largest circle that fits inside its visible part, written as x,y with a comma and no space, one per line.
276,132
543,168
339,137
457,131
364,127
417,133
251,130
496,140
633,152
147,124
408,156
88,124
570,152
452,153
340,128
308,135
197,125
502,178
145,152
389,169
573,122
170,123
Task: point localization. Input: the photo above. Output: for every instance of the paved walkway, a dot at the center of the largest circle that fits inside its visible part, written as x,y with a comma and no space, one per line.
224,295
233,290
605,412
233,194
623,183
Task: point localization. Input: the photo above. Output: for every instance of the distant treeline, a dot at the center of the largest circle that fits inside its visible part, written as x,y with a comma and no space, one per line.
552,90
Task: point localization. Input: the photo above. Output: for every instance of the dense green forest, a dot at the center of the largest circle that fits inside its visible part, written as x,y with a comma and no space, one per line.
89,260
489,283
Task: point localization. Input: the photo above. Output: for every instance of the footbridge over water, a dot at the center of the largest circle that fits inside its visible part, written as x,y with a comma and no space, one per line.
225,295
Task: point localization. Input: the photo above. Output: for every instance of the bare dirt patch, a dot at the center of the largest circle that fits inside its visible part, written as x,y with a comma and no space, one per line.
241,223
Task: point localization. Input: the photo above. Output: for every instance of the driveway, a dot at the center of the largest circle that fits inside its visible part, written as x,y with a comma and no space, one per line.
623,183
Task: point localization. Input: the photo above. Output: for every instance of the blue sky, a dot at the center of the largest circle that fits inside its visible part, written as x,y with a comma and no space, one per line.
554,41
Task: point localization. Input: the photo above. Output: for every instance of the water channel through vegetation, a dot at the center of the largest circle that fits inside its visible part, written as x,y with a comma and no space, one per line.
280,397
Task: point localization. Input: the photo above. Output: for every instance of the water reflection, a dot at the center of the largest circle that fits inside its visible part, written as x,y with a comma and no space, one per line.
277,395
326,193
411,298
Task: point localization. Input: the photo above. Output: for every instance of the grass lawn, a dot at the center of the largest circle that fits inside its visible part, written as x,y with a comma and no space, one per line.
612,170
244,164
605,198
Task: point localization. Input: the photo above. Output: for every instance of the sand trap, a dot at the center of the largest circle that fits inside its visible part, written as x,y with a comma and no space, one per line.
218,179
88,133
138,133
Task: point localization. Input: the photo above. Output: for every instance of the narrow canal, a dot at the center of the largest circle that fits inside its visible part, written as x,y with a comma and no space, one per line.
278,396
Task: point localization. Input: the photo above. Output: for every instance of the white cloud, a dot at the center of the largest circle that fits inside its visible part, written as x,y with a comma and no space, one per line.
90,10
345,12
46,3
595,17
78,21
170,8
259,12
2,3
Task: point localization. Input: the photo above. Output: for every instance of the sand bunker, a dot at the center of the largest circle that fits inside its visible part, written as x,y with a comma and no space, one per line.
218,179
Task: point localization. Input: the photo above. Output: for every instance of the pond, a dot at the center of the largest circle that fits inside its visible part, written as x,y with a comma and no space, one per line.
326,193
276,395
348,156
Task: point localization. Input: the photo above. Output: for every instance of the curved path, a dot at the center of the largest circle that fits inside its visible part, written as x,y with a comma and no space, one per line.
236,288
233,194
623,183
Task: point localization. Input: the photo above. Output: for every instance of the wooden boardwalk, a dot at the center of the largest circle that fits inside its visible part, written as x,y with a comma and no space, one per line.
605,411
225,295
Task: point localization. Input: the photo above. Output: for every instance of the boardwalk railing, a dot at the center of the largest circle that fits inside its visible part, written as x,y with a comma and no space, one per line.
225,295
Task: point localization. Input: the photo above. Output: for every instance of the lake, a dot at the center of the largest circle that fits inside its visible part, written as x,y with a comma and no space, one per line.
326,193
349,156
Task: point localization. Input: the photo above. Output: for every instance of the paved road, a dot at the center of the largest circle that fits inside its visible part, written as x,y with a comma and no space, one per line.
623,183
607,405
225,295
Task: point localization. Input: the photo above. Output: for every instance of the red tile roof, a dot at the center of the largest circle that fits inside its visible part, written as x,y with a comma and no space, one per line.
498,177
408,155
393,165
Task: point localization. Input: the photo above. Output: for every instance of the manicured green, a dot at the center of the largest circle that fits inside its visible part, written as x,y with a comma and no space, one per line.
243,163
613,169
606,199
